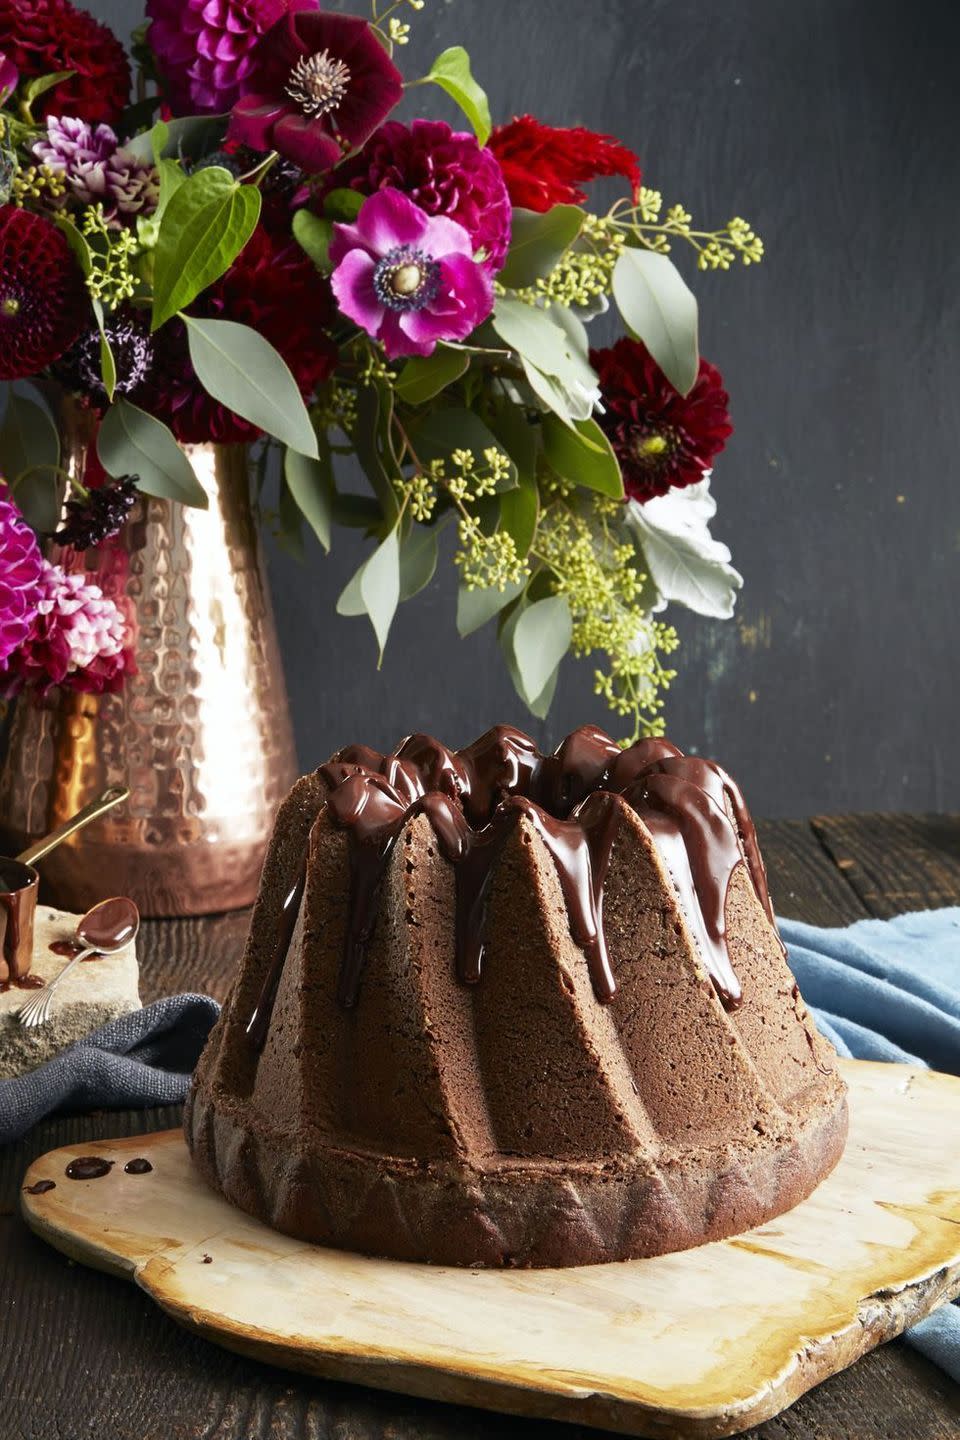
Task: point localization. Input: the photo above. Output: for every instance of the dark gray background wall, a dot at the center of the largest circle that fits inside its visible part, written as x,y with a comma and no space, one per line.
832,125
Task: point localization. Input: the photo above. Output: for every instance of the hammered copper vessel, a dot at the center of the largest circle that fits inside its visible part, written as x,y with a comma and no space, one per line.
201,733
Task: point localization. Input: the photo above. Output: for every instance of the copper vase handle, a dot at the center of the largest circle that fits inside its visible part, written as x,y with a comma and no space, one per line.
93,811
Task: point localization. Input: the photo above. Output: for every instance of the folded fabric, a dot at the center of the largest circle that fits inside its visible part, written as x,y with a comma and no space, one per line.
890,990
145,1058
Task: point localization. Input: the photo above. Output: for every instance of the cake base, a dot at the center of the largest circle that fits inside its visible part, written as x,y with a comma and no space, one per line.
704,1343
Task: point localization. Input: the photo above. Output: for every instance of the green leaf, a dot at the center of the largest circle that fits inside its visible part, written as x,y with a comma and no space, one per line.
548,391
540,640
42,83
108,365
172,178
290,537
343,205
28,439
520,513
357,512
583,455
451,71
310,483
374,445
242,370
439,433
539,242
313,234
540,704
191,137
419,554
206,224
131,442
375,589
423,378
540,341
660,309
476,608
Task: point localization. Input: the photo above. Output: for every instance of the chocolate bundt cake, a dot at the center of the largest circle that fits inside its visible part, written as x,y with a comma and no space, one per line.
501,1008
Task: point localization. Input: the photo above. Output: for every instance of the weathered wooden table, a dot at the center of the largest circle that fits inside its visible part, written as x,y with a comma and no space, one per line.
83,1355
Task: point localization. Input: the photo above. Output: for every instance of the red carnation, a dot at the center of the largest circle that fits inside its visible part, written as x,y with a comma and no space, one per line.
276,290
663,440
544,166
42,37
43,299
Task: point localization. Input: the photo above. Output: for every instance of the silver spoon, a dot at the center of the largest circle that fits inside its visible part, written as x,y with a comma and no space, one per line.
93,811
106,929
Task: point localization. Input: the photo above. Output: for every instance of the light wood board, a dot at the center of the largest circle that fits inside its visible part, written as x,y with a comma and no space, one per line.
704,1343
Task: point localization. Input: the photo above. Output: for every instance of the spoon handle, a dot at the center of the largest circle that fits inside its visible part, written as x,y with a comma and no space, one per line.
90,950
93,811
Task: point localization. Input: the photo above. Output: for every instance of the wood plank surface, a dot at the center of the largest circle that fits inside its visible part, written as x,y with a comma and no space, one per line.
124,1371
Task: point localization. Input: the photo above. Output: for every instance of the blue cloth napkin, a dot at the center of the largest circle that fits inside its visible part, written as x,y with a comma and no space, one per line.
890,990
145,1058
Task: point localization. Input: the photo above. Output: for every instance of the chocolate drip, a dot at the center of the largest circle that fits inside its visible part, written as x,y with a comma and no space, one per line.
474,800
23,982
140,1166
89,1167
259,1023
40,1187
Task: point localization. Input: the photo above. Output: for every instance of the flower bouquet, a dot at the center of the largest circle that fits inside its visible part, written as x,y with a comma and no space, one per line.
257,246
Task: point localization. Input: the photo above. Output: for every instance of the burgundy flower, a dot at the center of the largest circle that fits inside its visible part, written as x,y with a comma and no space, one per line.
443,171
20,569
9,77
273,288
41,37
128,331
205,49
43,298
544,166
663,440
78,639
408,278
323,85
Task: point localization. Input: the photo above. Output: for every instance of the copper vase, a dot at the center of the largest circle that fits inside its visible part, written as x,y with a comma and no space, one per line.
201,732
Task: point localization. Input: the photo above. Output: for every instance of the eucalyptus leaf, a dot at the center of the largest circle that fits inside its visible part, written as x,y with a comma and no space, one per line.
440,432
452,72
476,608
539,242
540,704
38,495
374,445
583,455
539,340
661,310
686,564
378,585
310,483
419,554
540,640
313,234
242,370
194,137
131,442
424,377
108,365
206,224
291,528
28,439
520,513
357,512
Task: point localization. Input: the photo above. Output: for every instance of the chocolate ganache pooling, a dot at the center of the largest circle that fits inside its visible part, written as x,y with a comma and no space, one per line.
474,798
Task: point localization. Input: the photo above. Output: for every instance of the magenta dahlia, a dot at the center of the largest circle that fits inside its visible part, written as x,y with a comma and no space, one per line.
21,566
663,440
323,85
205,49
78,639
408,278
276,290
445,172
43,299
42,37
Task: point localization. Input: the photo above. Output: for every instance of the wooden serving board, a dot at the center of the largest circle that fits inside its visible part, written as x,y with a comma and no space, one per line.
705,1343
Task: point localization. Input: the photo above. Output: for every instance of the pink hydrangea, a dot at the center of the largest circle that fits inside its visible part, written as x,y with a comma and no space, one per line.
205,49
445,172
408,278
78,639
21,567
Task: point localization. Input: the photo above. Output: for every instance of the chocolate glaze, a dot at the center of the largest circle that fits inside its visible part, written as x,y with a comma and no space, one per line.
89,1167
140,1166
474,799
40,1187
22,982
18,899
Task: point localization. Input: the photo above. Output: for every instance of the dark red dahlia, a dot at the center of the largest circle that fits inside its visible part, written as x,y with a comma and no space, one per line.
443,171
273,288
323,84
43,299
544,166
663,440
41,37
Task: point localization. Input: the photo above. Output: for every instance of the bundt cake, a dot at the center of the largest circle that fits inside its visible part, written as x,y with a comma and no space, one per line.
500,1008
